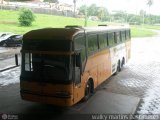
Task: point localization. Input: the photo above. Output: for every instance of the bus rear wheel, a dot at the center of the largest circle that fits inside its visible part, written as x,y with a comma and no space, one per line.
118,67
4,44
88,90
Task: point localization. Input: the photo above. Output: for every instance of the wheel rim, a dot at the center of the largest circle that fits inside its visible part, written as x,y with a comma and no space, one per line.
4,44
88,90
123,62
119,67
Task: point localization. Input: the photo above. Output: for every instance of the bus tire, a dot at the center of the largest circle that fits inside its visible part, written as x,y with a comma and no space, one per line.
123,62
118,67
89,90
4,44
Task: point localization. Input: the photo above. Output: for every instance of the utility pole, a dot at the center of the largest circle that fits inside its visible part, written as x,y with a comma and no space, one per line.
85,23
74,2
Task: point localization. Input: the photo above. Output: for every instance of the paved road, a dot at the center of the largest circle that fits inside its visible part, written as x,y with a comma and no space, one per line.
139,78
8,52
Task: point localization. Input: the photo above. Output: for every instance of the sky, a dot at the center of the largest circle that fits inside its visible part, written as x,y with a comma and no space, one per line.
131,6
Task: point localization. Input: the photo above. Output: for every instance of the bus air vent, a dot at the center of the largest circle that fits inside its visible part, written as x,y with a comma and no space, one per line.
73,26
103,25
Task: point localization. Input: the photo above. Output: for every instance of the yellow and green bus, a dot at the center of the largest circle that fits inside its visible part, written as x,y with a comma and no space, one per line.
62,66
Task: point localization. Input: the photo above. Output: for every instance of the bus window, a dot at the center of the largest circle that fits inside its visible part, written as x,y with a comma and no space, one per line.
92,44
79,45
127,34
111,39
123,35
102,40
117,37
28,62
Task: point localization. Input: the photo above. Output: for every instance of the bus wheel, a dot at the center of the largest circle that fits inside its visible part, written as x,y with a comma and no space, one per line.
88,90
123,62
4,44
119,66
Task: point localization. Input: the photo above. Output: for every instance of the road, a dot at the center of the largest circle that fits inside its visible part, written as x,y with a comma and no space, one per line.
139,78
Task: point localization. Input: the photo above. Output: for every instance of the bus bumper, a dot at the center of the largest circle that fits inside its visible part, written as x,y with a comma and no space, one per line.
56,94
58,101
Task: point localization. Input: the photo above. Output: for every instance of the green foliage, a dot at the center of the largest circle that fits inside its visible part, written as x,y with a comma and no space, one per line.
102,14
149,3
141,31
83,9
43,21
26,17
93,10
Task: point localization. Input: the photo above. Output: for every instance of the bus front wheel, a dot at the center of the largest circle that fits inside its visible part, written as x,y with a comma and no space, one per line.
88,90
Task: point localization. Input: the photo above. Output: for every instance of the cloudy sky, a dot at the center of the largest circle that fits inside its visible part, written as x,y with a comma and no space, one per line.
132,6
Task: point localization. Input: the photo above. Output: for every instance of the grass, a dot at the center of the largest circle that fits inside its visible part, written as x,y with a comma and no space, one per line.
42,21
155,27
141,31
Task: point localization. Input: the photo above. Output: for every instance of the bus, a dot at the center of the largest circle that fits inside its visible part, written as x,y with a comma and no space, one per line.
62,66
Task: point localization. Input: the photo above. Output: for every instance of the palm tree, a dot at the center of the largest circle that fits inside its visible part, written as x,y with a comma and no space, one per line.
149,3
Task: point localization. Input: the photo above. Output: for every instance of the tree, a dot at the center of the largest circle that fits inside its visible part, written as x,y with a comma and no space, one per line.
102,13
149,3
82,9
120,16
26,17
93,10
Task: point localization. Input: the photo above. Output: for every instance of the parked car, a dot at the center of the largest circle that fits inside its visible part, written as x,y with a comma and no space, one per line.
11,40
2,34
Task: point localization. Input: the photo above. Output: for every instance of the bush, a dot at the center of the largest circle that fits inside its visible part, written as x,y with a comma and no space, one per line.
26,17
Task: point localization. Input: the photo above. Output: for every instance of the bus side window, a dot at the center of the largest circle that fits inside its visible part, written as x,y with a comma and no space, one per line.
117,37
92,44
102,38
128,35
111,39
79,45
123,36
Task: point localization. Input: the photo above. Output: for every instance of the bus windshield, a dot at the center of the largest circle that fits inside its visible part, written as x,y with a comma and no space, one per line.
48,68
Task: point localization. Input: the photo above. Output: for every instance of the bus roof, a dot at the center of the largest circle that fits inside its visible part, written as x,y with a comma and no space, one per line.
67,33
105,28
